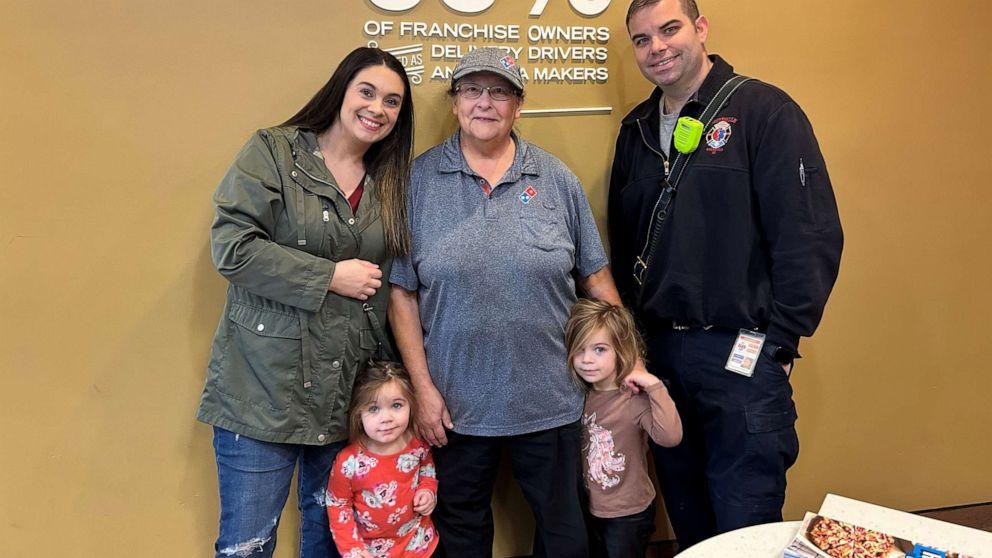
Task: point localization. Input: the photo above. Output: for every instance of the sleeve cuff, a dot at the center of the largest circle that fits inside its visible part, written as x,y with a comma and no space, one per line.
656,387
315,291
780,337
597,266
402,279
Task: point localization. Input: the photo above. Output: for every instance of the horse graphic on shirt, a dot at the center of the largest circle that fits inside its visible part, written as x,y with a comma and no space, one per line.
604,462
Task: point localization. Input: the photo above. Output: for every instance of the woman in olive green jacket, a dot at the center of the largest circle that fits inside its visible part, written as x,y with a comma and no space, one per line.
307,219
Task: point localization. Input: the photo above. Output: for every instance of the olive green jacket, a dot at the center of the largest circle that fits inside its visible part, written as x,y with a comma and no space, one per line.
286,351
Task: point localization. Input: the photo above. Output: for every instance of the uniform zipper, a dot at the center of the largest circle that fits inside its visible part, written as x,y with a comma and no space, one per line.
652,238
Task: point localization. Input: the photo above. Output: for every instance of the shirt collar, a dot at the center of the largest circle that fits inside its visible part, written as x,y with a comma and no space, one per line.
717,76
308,157
308,154
524,161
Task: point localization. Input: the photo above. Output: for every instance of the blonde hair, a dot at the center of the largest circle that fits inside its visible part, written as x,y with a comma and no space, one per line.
375,377
588,317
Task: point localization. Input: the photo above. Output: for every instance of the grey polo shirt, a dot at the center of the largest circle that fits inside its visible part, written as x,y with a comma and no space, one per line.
495,278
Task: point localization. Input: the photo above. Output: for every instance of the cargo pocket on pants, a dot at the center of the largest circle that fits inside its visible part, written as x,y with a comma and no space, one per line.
772,447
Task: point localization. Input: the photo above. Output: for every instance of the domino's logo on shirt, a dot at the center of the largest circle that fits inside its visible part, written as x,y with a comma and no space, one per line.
528,195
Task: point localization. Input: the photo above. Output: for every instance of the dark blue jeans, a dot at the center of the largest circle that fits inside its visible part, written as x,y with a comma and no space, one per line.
546,465
739,434
254,478
622,537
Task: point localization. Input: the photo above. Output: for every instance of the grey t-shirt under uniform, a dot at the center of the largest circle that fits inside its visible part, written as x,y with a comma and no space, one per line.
494,275
666,127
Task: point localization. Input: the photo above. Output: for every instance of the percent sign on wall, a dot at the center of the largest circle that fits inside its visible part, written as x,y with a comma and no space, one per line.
584,7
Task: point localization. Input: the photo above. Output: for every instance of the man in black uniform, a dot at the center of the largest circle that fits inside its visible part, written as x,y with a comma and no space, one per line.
727,277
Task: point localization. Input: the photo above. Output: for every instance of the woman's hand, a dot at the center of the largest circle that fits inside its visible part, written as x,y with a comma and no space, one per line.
356,279
424,501
640,379
432,415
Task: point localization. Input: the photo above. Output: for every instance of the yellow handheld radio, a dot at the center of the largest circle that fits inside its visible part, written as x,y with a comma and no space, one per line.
688,132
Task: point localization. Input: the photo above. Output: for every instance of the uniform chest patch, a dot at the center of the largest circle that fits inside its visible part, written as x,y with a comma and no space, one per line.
528,195
719,135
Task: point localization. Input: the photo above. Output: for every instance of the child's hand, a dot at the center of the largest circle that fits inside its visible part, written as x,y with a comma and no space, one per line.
640,379
424,501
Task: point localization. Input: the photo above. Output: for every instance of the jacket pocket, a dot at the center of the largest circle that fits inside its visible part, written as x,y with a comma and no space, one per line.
265,323
821,206
264,359
367,339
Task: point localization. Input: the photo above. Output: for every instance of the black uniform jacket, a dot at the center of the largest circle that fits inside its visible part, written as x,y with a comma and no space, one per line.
753,239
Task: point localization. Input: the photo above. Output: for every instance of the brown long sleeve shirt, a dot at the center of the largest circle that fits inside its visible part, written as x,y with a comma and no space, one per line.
616,425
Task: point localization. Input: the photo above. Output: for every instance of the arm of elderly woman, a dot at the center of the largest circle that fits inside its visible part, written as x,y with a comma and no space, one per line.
432,414
600,285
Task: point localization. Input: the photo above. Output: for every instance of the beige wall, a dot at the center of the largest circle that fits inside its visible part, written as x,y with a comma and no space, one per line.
118,119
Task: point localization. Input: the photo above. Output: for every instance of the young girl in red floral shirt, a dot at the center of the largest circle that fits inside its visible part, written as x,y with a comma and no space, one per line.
383,488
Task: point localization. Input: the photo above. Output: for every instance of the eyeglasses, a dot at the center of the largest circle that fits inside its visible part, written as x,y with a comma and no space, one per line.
474,91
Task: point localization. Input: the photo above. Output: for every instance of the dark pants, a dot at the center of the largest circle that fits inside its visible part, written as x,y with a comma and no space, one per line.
622,537
739,434
545,464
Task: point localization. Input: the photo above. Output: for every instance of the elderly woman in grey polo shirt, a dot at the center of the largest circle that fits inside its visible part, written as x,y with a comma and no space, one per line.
499,230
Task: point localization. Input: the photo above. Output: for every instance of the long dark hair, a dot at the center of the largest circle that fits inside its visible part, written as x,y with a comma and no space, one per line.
387,162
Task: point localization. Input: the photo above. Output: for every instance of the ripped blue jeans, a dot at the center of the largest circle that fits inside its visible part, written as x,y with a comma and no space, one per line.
254,479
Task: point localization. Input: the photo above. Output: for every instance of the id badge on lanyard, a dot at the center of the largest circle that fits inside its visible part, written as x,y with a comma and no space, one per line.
744,354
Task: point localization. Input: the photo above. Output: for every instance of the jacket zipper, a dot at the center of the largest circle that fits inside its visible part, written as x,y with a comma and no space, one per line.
652,238
312,177
326,215
333,187
649,146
